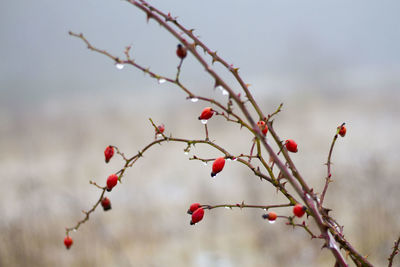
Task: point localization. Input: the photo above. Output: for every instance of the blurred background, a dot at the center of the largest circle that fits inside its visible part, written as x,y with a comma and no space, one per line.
60,105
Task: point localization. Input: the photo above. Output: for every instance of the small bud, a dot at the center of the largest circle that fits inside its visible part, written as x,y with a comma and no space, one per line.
342,131
263,127
112,181
106,203
206,114
197,216
193,208
68,241
291,145
181,51
299,210
108,153
217,166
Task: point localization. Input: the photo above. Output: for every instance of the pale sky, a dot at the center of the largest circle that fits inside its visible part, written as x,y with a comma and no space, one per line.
278,45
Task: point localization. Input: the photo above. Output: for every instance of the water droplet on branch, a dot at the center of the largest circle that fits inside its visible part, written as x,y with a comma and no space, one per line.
119,66
161,81
194,99
271,222
204,121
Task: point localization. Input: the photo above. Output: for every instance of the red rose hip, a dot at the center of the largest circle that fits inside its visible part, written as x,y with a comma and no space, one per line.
112,181
270,216
106,203
291,145
342,131
217,166
108,153
193,208
299,210
206,114
68,241
181,51
197,216
160,129
263,127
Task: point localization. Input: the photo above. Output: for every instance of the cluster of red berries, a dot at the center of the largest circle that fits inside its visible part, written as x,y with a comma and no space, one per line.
197,213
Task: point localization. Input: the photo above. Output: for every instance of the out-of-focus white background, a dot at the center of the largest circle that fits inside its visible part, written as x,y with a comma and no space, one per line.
60,104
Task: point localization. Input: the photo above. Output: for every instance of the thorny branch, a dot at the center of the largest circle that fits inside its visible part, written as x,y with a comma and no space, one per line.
330,230
394,252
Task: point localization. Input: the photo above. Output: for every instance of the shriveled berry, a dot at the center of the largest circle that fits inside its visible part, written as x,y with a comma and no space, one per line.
108,153
299,210
291,145
263,127
112,181
106,203
197,216
206,114
217,166
342,131
193,208
181,51
68,241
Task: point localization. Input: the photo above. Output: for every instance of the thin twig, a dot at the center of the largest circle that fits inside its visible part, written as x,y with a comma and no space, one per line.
394,252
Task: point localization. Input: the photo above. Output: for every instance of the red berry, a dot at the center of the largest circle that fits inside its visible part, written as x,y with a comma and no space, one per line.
193,208
217,166
272,216
108,153
181,51
197,216
342,131
299,210
68,241
106,203
206,114
160,129
112,181
291,145
263,127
